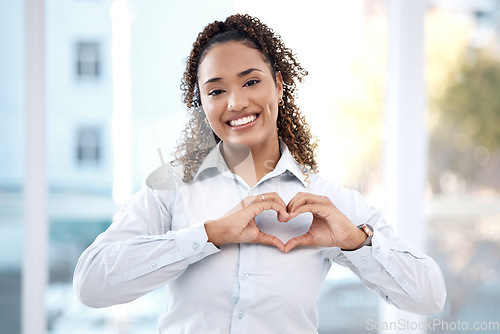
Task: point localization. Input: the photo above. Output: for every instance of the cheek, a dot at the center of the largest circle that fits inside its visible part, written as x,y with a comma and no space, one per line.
274,109
213,117
211,111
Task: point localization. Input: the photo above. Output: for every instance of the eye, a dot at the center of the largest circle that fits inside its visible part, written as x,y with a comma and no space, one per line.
215,92
251,82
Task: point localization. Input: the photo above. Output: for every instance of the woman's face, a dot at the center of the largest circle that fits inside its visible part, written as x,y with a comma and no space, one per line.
239,95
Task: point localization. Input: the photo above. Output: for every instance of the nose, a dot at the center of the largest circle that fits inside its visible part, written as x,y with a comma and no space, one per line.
237,100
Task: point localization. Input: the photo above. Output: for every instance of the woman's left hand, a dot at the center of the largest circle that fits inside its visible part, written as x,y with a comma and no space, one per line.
329,228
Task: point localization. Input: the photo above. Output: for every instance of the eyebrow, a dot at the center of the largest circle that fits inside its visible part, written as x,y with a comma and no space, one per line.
240,75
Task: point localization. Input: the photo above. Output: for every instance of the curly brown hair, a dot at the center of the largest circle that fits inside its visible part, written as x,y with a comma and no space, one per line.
196,141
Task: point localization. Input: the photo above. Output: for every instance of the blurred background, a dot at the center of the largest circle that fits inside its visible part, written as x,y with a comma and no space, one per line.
113,112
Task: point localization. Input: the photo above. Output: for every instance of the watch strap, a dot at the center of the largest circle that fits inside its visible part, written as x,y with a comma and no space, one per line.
368,229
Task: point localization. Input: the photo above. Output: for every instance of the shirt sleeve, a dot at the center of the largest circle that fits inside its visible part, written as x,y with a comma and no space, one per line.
138,253
399,273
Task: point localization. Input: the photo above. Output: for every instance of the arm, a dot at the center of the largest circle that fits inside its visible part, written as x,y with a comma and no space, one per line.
402,275
137,253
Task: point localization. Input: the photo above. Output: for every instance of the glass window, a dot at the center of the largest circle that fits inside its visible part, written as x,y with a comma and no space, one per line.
88,61
463,75
343,102
88,146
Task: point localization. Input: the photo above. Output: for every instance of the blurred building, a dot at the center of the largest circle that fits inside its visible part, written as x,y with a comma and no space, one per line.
78,95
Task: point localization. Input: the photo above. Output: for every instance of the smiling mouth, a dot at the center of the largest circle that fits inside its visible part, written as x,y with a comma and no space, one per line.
243,120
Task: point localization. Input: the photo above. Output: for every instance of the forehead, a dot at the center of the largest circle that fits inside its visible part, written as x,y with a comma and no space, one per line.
230,58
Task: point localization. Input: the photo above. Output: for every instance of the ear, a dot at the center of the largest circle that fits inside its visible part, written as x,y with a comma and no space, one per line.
279,84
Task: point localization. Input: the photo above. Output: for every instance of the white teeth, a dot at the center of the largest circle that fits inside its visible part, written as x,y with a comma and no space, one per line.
242,121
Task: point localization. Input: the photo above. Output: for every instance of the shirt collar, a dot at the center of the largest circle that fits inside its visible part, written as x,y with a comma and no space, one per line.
287,163
214,161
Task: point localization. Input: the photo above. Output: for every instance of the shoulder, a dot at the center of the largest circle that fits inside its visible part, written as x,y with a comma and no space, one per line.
349,201
159,191
165,177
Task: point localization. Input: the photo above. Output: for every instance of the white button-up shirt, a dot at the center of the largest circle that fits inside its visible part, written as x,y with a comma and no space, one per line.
158,239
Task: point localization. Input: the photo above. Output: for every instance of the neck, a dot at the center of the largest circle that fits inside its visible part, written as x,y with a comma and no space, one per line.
251,163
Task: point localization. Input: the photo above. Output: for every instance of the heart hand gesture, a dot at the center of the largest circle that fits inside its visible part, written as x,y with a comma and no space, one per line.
329,227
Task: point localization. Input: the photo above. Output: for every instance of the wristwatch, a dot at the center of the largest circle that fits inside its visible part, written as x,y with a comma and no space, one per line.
368,229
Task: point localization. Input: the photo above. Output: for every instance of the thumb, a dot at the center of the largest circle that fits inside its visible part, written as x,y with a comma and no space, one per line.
267,239
302,240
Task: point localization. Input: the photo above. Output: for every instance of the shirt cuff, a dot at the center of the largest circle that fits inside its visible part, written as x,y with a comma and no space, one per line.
192,243
370,257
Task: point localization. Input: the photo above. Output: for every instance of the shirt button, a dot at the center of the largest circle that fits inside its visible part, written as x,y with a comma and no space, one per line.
376,251
196,247
244,275
240,314
401,279
363,258
153,265
201,255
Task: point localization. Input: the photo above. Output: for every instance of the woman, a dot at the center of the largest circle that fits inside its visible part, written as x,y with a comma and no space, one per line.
243,231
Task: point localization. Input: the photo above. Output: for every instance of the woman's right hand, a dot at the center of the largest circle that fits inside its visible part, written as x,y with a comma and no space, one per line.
238,225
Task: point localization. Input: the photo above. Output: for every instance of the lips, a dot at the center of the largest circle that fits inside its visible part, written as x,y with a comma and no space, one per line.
242,120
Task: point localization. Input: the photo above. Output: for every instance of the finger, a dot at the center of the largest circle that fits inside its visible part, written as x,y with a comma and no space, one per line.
295,199
265,197
302,198
267,239
261,206
275,197
271,196
320,210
